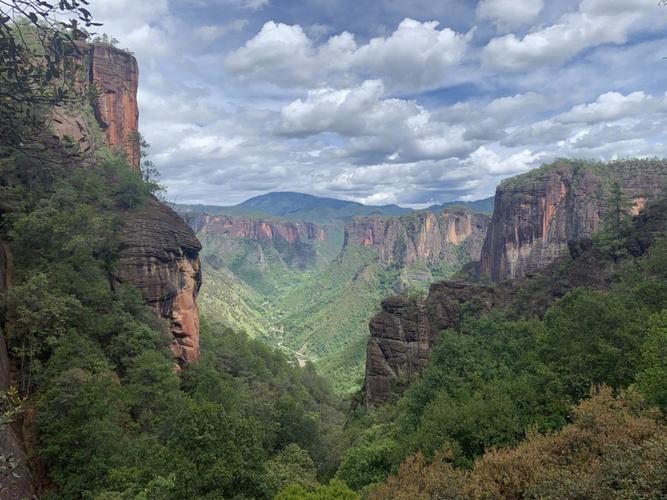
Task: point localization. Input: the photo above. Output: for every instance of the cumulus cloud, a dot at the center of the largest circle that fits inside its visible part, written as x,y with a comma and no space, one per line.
608,107
595,23
415,56
418,115
388,129
509,14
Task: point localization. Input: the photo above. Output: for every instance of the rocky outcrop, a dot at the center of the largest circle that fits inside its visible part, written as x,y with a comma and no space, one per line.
538,213
404,332
258,229
114,76
160,255
420,237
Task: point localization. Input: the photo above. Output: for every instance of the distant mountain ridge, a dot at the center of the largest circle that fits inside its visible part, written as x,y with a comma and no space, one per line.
291,205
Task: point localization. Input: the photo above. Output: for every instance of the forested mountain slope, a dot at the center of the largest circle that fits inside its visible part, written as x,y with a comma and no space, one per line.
493,364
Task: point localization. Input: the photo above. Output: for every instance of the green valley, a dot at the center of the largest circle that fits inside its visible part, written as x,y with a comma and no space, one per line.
313,297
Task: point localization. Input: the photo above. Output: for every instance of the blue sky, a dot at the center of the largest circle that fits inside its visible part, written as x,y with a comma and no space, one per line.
388,101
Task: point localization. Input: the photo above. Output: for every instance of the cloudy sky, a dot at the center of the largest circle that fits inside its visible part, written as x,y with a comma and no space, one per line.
388,101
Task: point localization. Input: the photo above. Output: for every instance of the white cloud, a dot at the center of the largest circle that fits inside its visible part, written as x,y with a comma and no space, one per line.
596,22
393,130
509,14
609,107
312,107
490,162
415,56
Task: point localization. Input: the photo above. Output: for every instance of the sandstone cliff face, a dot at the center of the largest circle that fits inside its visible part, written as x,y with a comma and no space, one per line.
422,237
257,229
536,214
160,255
114,74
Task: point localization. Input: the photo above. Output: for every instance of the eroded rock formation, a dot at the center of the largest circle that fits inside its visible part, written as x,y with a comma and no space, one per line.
536,214
404,332
421,237
258,229
114,75
160,255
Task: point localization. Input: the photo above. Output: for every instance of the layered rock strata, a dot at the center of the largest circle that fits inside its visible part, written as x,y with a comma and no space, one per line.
402,335
422,237
258,229
113,75
160,255
537,214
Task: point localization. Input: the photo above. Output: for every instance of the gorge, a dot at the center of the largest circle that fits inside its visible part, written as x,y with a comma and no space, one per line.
295,346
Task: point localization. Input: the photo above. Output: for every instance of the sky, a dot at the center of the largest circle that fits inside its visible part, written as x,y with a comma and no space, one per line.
411,102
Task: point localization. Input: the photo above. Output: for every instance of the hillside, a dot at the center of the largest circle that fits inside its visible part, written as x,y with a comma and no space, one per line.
537,213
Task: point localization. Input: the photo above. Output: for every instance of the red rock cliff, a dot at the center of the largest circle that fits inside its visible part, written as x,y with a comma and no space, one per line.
537,214
421,237
160,255
404,332
257,229
114,74
159,252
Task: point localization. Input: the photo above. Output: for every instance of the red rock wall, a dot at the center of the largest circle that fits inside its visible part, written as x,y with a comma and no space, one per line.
423,237
536,215
258,230
402,335
115,73
160,255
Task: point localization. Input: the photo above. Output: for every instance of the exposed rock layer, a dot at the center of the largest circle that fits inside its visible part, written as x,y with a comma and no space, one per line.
258,229
536,214
421,237
160,255
114,75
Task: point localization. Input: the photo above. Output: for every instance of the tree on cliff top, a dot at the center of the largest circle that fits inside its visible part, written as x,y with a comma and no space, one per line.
611,238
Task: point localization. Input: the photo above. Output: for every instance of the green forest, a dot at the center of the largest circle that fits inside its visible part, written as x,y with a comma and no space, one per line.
560,392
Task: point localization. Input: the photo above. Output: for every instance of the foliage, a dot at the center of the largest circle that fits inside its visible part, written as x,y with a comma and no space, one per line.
335,490
35,38
612,449
498,378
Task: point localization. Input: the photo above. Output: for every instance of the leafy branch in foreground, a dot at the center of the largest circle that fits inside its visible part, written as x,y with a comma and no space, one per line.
34,43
